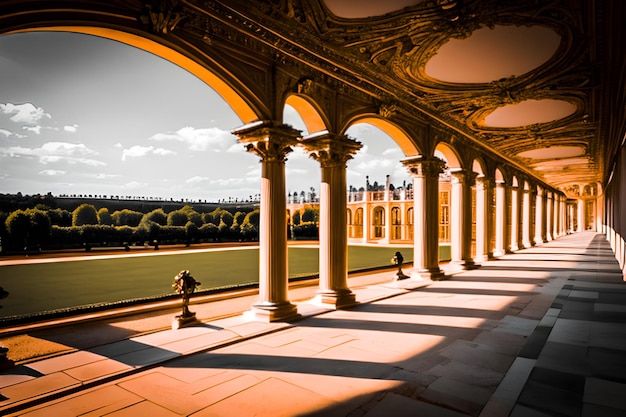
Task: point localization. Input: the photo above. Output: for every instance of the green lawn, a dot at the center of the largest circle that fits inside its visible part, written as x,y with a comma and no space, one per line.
37,288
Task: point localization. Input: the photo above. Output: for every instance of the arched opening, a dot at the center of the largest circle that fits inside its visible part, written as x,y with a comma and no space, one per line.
378,223
126,117
356,231
396,223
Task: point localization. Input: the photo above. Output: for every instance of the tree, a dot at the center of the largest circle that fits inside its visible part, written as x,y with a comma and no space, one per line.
310,214
250,225
18,226
127,217
104,217
157,216
60,217
84,214
176,218
295,219
40,225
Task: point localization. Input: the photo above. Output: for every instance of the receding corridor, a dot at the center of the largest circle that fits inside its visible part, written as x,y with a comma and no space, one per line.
539,332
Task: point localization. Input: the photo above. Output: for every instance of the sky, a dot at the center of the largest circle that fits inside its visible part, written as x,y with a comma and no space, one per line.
81,114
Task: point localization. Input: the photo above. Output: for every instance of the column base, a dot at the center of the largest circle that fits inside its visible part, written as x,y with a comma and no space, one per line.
334,299
499,252
433,274
538,241
182,321
272,312
464,265
512,249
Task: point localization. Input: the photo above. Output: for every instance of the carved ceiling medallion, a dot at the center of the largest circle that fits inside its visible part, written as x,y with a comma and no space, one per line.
493,54
529,112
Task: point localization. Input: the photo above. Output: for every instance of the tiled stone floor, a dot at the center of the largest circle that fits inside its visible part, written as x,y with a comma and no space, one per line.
536,333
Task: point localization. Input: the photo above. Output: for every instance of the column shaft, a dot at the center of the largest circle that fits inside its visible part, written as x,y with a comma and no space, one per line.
526,219
272,142
332,152
499,249
539,217
426,216
461,219
515,209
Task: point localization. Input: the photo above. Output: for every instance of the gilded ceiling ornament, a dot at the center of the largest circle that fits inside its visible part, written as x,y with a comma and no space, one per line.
305,86
388,110
163,15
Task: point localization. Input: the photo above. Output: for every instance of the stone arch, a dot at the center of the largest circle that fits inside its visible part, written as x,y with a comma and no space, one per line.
498,175
397,133
309,112
479,166
449,154
243,102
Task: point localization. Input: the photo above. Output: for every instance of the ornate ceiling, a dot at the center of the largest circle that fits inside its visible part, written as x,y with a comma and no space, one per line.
539,83
536,81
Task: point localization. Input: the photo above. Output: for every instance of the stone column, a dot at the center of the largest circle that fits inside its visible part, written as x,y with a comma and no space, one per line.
333,152
484,215
581,215
461,219
501,221
515,218
272,142
539,216
549,215
425,174
526,219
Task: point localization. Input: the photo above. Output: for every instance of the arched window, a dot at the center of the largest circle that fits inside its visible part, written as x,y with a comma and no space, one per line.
357,227
444,216
378,223
396,223
409,223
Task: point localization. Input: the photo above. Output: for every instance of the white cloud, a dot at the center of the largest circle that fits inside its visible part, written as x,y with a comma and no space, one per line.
134,185
102,176
197,180
117,145
52,152
5,132
208,139
35,129
236,147
52,172
393,152
26,113
139,151
71,128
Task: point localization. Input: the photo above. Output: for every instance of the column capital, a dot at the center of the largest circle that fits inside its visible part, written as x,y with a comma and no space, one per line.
330,149
418,166
462,176
270,140
484,182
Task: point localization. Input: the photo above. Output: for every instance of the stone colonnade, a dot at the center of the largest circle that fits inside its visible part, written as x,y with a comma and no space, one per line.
506,229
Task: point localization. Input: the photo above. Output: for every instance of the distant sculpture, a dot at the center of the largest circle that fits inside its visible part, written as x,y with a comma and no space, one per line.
398,259
185,285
